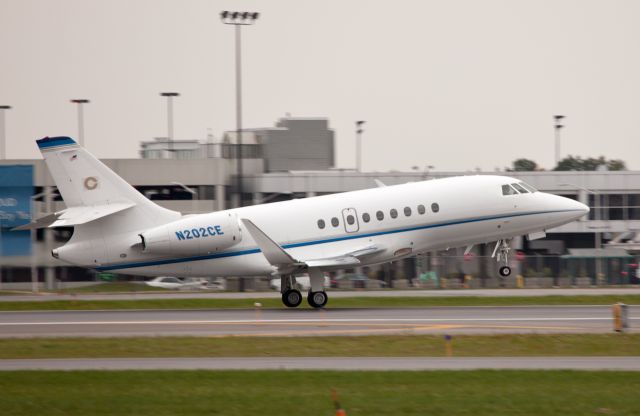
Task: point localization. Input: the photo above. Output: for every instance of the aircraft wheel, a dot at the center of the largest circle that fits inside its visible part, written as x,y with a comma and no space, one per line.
317,299
292,298
505,271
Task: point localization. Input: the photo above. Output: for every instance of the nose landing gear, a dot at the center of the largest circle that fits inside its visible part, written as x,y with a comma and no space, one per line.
505,271
501,253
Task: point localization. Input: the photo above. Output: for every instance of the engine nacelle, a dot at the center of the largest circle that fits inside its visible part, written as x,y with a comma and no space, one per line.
199,234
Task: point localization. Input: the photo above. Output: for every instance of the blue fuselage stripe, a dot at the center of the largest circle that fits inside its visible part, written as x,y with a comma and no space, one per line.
324,241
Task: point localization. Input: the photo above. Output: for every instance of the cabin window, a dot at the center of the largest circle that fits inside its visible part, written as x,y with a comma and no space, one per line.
366,217
508,190
350,219
528,187
380,215
321,224
407,211
335,222
393,213
519,188
421,209
435,207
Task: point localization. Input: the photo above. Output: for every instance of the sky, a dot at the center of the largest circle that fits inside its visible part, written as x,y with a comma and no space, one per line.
456,84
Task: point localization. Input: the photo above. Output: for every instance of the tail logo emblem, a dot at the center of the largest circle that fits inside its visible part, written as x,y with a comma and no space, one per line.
90,183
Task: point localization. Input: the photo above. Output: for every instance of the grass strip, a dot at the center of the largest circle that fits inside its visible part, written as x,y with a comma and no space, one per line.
115,287
267,393
356,346
351,302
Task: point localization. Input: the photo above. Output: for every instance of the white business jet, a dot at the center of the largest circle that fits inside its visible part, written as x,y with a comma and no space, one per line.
118,229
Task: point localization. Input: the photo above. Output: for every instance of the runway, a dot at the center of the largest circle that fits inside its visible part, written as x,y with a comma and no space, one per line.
329,363
308,322
47,296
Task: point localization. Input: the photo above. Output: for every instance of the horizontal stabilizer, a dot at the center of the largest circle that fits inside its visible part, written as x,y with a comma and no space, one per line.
42,222
82,215
76,216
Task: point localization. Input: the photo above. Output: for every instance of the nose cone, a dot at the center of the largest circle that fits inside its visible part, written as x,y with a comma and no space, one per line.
560,210
575,208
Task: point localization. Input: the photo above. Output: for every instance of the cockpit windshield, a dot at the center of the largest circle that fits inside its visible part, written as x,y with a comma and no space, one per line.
508,190
517,188
520,188
528,187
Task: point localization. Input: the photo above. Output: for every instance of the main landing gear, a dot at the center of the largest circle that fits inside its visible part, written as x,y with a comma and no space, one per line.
317,299
291,296
502,251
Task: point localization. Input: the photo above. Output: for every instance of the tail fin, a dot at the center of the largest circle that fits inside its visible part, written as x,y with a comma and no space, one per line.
84,181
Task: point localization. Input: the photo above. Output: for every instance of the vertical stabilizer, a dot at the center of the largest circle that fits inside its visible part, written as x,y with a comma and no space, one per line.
84,181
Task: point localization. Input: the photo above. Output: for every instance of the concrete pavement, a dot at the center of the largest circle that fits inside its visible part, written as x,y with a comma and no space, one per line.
632,290
328,363
309,322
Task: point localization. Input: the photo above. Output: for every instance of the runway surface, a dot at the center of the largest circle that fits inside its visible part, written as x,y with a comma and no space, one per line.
308,322
336,294
329,363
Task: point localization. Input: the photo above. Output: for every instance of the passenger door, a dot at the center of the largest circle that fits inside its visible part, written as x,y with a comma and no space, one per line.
350,219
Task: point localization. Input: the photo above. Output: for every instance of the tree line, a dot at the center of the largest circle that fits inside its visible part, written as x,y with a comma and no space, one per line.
570,163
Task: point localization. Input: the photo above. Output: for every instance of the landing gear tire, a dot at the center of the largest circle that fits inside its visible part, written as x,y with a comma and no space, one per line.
292,298
505,271
317,299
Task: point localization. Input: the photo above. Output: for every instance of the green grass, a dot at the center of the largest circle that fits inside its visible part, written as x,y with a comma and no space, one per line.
352,302
115,287
266,393
356,346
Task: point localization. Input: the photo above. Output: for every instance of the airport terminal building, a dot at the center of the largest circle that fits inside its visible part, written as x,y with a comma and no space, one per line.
295,159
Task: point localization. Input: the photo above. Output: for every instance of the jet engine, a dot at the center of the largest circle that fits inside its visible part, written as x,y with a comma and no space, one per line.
193,235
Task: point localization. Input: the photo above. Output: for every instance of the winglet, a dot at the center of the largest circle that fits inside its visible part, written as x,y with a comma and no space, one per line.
274,254
379,183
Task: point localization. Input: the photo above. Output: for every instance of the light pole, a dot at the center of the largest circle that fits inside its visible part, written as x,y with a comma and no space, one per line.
80,102
359,131
427,169
33,263
1,248
193,193
239,19
170,96
557,127
3,138
597,217
425,172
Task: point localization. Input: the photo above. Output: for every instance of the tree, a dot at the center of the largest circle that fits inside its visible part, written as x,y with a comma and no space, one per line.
589,164
523,165
616,164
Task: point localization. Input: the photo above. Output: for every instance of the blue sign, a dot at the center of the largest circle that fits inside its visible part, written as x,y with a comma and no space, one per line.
16,189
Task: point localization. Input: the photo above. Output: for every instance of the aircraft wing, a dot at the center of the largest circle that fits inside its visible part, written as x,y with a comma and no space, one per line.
76,216
349,259
275,255
285,263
